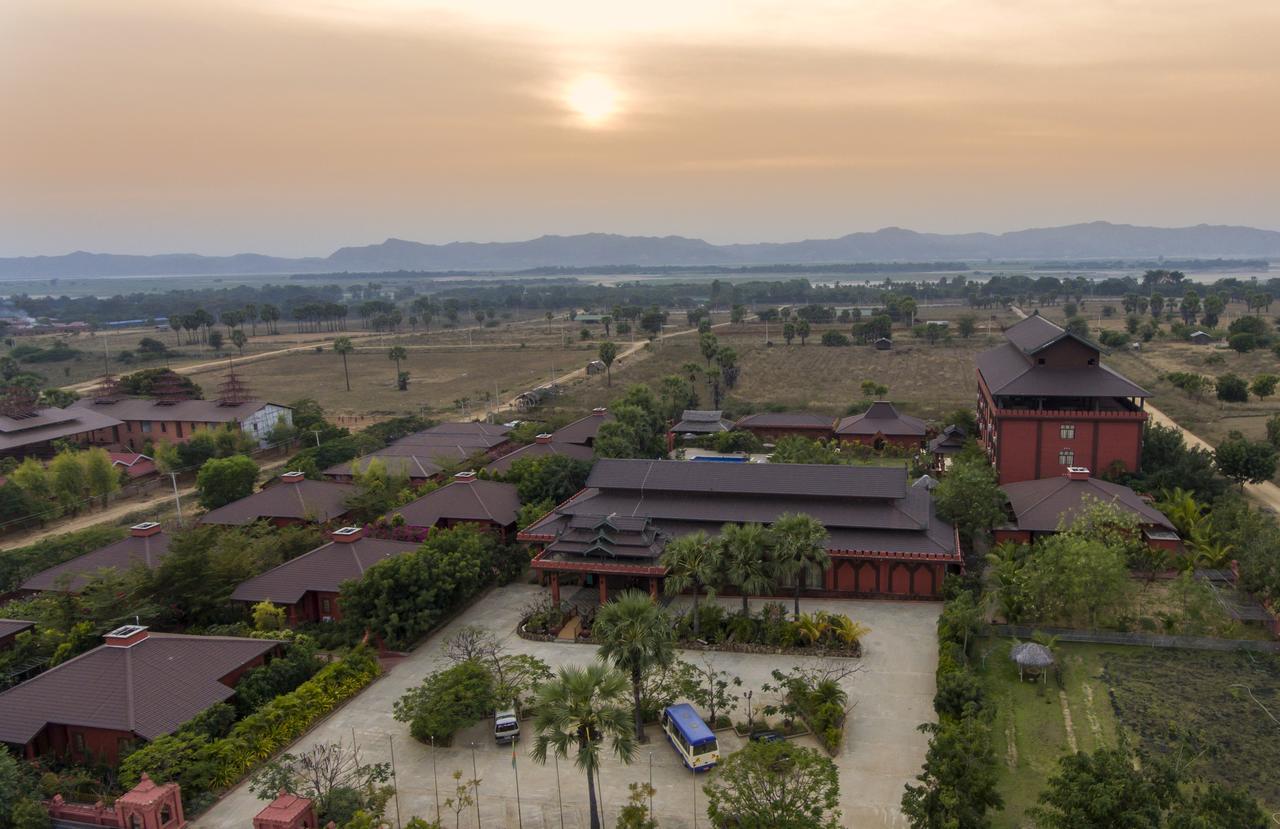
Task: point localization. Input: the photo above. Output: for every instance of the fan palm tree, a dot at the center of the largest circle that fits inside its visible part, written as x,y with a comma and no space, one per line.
578,711
800,549
343,346
396,354
845,630
746,557
635,635
692,561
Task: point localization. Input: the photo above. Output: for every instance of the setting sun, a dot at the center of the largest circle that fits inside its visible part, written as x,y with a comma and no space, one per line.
594,99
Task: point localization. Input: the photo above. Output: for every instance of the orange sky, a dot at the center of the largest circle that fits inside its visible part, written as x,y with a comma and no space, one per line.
296,126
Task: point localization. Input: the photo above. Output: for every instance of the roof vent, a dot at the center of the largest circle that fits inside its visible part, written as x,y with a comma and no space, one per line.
125,636
464,477
293,477
146,528
542,438
1078,473
347,534
599,411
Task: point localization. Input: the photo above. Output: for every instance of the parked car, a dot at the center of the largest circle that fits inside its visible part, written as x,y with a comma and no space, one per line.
765,737
506,727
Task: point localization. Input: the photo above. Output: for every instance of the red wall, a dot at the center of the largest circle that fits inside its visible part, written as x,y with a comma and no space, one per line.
913,580
1027,449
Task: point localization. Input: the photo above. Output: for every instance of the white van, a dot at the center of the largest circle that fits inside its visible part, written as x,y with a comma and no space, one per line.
506,728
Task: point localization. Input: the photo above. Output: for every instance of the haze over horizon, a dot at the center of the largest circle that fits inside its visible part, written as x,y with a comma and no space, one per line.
294,127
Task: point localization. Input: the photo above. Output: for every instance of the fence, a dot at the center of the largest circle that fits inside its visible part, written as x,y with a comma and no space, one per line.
1149,640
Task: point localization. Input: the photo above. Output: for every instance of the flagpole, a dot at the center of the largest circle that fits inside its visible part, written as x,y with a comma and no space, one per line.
559,799
516,773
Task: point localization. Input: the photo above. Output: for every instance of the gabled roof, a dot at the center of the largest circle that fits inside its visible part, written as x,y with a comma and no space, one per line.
150,688
1046,504
474,442
473,500
803,479
468,428
193,411
51,424
318,501
540,450
323,569
702,422
12,627
949,440
785,420
134,464
1008,371
882,418
1035,333
131,550
401,461
583,430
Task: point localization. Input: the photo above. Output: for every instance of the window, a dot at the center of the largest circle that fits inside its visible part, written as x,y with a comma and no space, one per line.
1067,431
145,426
1039,361
1067,458
77,740
166,815
164,427
178,425
324,605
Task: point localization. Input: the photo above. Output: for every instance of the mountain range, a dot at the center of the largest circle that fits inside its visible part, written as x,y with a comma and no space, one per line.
1093,240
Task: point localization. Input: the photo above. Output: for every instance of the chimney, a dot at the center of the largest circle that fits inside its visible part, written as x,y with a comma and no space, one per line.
1078,473
542,438
600,411
293,477
464,477
346,535
125,636
145,529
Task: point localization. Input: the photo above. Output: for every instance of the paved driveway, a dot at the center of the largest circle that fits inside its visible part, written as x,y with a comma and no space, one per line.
883,751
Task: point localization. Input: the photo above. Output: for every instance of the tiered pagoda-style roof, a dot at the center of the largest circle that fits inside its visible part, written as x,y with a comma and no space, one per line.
18,402
233,391
620,538
109,390
168,389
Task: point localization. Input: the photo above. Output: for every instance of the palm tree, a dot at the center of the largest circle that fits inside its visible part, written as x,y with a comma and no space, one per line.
608,353
343,346
397,353
635,636
800,542
578,711
691,561
745,555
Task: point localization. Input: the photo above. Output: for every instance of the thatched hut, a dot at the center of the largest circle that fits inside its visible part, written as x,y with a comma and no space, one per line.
1031,657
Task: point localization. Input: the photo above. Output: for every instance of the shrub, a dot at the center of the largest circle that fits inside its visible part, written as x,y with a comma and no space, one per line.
447,701
834,339
1232,388
1113,339
1243,343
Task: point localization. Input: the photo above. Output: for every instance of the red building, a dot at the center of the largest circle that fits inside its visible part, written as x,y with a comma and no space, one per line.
466,499
308,586
1040,508
882,425
883,536
772,426
1046,403
136,687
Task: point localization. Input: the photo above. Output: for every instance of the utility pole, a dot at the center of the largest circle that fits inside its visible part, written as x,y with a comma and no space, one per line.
177,501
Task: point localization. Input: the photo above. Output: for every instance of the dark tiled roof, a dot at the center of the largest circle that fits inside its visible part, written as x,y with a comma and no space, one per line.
881,419
150,689
816,480
463,501
50,424
10,627
951,439
318,501
468,428
407,461
539,450
702,423
193,411
148,551
583,430
323,569
1034,333
450,442
1007,371
1046,504
784,420
607,538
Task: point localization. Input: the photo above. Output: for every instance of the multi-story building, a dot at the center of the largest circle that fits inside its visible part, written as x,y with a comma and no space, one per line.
1046,403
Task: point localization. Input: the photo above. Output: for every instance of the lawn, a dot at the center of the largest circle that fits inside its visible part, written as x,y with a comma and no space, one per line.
1192,706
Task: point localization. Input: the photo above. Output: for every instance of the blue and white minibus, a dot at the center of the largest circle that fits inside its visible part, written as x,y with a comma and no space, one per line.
690,736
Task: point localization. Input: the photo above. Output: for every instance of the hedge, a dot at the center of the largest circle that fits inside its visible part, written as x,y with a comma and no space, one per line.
201,764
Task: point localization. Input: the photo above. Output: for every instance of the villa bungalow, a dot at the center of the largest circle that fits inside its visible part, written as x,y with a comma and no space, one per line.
418,464
466,499
465,439
543,445
947,443
1039,508
294,500
145,545
882,425
884,538
583,430
134,688
134,465
9,630
308,586
770,426
696,422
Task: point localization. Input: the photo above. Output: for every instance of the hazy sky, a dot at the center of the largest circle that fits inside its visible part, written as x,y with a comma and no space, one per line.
296,126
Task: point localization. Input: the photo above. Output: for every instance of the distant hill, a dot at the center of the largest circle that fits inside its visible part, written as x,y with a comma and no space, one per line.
1094,240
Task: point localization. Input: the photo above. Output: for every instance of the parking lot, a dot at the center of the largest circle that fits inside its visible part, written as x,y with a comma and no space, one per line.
883,751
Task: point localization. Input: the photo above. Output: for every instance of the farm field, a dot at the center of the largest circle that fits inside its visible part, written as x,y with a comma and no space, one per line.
1175,703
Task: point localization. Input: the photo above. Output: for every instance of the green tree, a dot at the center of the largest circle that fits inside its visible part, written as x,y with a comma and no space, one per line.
1074,578
1232,388
803,330
709,346
1103,790
959,783
447,701
29,813
608,353
396,354
635,815
1273,430
800,550
238,339
746,557
966,325
343,346
1264,385
67,479
775,784
635,637
1243,460
549,478
223,480
99,473
577,713
969,497
788,331
691,561
637,430
1217,807
267,616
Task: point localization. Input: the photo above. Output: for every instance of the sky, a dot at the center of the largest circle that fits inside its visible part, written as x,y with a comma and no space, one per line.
293,127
